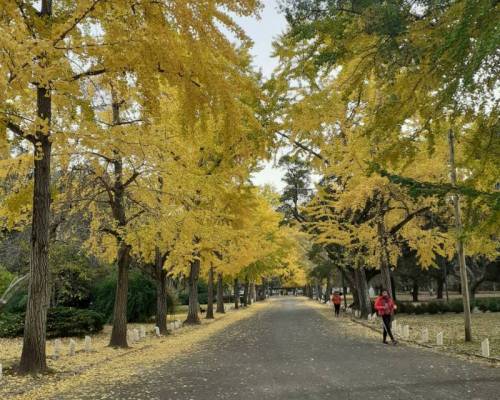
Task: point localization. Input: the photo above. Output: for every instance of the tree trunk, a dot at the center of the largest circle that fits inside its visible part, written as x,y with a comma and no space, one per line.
440,288
161,300
320,291
385,272
210,297
328,287
245,293
194,273
414,292
460,244
253,294
119,331
33,357
365,305
236,293
220,294
344,288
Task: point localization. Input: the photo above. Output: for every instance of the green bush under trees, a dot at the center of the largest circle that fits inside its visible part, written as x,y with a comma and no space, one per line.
61,322
141,305
491,304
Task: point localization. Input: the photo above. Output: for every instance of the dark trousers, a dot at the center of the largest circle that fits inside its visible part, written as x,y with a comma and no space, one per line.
387,322
337,309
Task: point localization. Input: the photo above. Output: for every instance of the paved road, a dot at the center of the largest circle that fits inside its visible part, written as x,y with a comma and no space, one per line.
291,351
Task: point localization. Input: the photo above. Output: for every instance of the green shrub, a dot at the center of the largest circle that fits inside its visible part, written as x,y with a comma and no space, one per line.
11,325
491,304
17,303
202,294
66,321
141,301
5,279
61,322
456,306
433,307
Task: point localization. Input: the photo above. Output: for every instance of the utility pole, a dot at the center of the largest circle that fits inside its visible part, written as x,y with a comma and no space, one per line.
460,241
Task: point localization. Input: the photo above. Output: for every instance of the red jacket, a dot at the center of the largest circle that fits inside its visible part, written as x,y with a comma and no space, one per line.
384,306
336,299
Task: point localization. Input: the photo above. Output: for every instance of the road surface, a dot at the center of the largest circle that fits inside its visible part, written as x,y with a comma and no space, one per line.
289,350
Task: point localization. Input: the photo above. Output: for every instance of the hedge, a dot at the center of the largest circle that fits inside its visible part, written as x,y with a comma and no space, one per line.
61,322
491,304
141,298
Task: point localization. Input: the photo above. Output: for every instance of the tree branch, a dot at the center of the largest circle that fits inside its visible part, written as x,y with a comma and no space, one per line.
408,218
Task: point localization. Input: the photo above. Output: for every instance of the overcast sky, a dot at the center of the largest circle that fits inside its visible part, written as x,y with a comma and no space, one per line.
263,31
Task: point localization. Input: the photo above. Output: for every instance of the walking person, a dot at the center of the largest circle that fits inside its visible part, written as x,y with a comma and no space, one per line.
336,300
385,307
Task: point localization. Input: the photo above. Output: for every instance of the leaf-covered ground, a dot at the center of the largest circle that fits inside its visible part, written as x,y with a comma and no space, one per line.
104,363
485,325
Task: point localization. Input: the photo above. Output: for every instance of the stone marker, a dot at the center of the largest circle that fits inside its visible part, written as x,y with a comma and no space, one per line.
369,317
57,348
157,331
142,332
485,348
88,344
406,332
439,338
136,335
1,372
374,315
72,347
425,335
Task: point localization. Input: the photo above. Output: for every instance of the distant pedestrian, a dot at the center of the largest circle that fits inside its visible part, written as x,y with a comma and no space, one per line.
336,300
385,307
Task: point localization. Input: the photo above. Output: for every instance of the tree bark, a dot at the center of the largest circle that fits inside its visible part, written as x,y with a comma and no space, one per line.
220,294
414,291
365,305
194,273
328,287
460,244
210,297
161,294
439,288
385,271
119,331
33,357
236,293
320,291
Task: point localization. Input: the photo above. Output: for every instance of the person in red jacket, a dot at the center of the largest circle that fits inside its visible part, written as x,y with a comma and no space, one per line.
385,307
336,300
